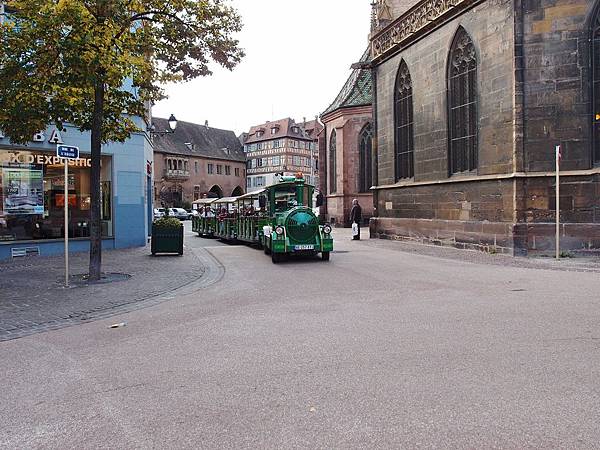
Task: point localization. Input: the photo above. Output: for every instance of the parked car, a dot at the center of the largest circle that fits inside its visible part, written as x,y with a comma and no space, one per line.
159,212
179,213
192,213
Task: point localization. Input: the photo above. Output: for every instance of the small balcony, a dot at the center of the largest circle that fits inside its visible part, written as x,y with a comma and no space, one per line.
171,174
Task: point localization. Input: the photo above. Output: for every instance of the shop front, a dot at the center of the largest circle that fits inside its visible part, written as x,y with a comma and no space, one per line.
32,196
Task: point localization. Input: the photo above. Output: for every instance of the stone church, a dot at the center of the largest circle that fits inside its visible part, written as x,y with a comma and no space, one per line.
471,98
345,150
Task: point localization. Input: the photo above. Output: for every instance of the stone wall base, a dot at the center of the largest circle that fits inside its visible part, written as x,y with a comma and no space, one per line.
492,237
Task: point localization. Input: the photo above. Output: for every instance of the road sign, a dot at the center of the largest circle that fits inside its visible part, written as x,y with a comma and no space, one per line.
67,151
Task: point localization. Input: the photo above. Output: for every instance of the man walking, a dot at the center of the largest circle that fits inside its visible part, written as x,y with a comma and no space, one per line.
356,218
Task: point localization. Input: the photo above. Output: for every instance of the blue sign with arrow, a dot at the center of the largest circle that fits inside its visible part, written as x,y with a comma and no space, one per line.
67,151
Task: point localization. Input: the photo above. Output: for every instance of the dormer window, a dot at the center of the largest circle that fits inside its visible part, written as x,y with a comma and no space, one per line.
274,130
295,130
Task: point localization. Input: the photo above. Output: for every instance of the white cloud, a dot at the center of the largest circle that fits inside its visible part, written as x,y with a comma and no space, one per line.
298,55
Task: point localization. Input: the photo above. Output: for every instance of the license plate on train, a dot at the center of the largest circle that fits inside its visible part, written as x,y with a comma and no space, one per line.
304,247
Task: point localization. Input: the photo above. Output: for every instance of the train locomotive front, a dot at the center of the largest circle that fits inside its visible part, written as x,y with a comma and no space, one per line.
294,227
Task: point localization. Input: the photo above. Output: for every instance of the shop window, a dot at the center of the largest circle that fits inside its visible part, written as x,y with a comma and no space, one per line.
462,104
596,86
403,117
332,163
32,196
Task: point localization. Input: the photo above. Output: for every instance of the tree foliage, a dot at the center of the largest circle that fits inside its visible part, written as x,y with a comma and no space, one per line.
55,52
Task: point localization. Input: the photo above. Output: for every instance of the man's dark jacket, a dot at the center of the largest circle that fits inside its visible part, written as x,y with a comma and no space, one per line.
356,214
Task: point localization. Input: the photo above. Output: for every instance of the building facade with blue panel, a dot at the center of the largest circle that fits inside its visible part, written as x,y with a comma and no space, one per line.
32,193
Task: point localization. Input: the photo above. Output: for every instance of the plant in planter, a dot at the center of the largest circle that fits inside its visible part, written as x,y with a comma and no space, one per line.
167,236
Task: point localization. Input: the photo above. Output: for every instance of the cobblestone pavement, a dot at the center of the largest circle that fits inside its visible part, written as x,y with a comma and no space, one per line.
33,298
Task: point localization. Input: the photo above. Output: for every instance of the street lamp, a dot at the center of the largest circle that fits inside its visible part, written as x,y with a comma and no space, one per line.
172,123
172,126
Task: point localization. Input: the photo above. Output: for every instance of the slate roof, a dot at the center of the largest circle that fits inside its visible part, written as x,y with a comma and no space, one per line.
192,139
284,129
358,90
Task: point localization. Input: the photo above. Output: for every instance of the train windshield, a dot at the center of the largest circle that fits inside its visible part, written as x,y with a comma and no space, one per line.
285,198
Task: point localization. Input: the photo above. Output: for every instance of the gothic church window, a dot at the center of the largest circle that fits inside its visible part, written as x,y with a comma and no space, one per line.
403,117
333,163
365,147
462,104
595,57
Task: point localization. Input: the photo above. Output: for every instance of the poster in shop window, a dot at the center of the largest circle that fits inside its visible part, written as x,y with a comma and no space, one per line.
23,191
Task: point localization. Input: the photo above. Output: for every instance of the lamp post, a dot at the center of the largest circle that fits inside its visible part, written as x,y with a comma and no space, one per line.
172,126
172,121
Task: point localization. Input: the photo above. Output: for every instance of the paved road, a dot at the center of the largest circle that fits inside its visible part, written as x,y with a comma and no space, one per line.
379,348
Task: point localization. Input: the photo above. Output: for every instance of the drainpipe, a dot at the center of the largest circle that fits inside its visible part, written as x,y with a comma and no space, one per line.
374,146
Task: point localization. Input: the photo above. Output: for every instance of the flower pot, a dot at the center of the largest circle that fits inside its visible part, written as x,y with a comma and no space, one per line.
167,240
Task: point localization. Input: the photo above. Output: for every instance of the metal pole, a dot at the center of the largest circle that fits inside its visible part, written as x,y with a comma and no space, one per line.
66,162
558,202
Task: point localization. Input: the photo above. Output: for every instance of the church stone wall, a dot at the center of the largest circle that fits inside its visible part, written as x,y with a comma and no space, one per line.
534,92
399,7
490,27
556,75
348,124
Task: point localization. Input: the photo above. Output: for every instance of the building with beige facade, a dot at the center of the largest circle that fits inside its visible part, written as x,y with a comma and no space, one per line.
281,146
196,161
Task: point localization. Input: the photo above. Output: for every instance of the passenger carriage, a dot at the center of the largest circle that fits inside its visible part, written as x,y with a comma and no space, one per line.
226,214
205,222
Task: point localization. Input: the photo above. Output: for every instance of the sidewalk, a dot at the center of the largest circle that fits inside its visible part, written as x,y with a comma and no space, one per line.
33,297
577,263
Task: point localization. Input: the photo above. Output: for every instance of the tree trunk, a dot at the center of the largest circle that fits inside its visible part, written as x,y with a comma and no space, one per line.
96,148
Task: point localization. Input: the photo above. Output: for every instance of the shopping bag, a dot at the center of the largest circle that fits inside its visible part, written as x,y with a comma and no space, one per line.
354,229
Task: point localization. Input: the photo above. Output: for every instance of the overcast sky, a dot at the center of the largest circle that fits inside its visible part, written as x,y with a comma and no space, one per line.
298,55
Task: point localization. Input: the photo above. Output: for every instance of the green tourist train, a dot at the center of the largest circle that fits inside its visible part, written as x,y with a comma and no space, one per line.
278,218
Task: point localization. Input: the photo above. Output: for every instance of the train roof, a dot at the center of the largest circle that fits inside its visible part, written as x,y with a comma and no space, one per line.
227,200
252,194
204,201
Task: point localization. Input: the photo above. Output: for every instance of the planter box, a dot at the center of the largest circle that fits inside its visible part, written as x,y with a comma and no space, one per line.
167,240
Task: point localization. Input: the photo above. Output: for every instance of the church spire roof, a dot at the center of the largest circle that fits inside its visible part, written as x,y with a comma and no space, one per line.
358,90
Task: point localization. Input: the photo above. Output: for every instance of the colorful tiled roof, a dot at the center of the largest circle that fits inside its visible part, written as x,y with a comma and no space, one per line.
358,90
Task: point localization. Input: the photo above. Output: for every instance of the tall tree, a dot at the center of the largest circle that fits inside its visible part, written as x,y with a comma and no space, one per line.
95,64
